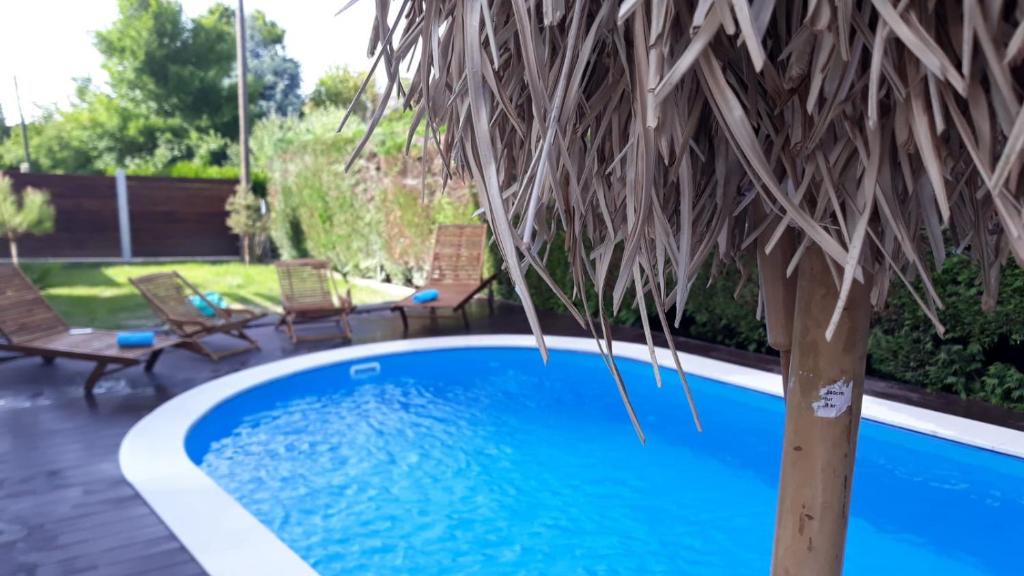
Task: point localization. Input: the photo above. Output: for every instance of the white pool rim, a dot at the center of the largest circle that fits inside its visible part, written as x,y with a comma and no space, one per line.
227,540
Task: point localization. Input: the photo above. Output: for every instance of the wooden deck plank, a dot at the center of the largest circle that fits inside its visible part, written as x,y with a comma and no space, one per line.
61,490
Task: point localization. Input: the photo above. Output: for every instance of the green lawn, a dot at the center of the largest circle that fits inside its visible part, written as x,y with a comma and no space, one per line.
100,296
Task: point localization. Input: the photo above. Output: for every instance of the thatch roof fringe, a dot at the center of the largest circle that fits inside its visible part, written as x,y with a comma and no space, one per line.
658,135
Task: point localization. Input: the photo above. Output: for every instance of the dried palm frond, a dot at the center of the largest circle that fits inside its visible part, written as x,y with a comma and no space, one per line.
658,135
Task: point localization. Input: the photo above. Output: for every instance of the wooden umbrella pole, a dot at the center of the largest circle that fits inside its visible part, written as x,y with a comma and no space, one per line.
825,388
778,292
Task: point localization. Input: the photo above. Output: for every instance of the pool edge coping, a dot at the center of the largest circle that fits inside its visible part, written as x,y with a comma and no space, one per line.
199,512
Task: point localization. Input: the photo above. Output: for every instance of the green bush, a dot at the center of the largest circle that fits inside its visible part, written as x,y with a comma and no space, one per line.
372,220
719,313
189,169
545,299
981,355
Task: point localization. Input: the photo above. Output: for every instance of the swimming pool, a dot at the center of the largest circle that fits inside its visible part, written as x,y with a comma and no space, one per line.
467,455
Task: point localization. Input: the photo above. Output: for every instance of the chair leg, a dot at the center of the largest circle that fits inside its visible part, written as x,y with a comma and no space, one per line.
153,357
241,335
490,299
465,317
405,321
347,327
94,377
289,328
198,348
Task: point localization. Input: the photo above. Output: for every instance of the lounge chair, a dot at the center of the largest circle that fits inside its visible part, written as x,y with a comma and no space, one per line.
29,326
455,271
309,294
169,294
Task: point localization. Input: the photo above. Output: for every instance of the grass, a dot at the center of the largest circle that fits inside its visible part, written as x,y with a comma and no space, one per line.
100,295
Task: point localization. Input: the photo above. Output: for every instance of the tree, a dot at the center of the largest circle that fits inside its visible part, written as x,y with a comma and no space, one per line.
338,87
5,130
246,219
33,214
100,133
171,97
274,76
181,67
167,64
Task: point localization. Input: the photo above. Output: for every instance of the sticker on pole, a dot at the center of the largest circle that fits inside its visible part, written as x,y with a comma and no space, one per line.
834,399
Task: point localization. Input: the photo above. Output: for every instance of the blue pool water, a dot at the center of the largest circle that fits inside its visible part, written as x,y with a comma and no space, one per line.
484,461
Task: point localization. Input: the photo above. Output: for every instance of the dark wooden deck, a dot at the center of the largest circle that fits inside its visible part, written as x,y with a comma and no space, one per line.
66,510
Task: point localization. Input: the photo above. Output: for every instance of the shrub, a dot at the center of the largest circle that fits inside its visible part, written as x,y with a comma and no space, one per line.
545,299
32,213
372,220
246,219
190,169
722,314
981,355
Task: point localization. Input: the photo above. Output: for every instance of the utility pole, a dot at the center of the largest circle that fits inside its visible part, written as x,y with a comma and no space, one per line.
243,96
27,166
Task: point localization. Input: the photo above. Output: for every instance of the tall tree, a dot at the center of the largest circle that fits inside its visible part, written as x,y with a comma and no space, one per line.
33,214
171,65
171,96
5,130
183,67
274,76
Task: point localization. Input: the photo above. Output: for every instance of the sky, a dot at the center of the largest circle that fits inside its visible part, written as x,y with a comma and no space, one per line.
47,43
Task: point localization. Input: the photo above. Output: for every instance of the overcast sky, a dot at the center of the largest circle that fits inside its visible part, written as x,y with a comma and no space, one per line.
47,43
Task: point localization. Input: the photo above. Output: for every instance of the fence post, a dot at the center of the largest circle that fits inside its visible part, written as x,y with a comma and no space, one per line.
123,219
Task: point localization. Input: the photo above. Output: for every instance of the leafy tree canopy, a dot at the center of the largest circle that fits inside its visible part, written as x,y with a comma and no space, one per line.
167,64
276,77
171,97
5,130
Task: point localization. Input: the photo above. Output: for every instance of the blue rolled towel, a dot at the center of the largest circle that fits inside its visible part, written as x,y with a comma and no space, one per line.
135,339
204,308
424,296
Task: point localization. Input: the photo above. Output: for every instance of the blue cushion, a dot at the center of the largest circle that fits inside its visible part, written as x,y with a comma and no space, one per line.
424,296
135,339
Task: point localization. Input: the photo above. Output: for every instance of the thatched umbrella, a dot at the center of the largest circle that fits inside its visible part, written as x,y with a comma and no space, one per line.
846,143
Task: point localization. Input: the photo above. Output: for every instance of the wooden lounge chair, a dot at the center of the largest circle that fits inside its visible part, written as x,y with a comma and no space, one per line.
309,294
168,294
30,327
455,270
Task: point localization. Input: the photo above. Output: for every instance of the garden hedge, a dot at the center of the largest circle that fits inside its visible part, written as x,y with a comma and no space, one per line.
981,355
372,220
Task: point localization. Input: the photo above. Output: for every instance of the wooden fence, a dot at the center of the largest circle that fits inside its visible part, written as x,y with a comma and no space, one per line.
165,217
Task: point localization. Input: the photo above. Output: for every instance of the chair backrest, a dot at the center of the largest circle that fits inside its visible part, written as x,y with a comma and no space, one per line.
24,314
458,253
306,283
168,294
